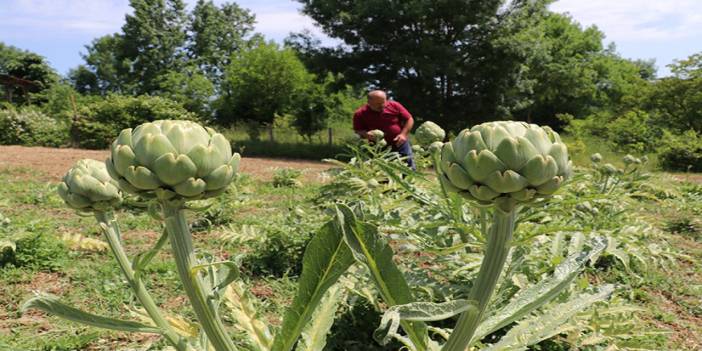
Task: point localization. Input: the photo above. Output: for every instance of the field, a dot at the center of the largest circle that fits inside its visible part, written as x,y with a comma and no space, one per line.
650,221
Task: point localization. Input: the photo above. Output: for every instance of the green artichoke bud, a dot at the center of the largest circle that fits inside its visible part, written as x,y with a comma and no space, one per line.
435,146
377,136
628,159
428,133
644,159
417,149
609,169
172,160
596,157
637,161
88,187
505,163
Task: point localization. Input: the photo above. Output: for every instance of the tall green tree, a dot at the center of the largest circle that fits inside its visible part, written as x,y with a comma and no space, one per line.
676,102
260,83
106,60
462,62
433,56
153,41
26,66
216,33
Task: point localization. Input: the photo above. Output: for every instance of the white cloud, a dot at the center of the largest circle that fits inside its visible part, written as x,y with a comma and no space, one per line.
638,20
22,18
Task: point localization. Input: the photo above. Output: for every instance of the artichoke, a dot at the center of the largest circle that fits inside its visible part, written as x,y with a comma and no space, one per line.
376,136
596,157
505,163
435,146
172,160
428,133
88,187
628,159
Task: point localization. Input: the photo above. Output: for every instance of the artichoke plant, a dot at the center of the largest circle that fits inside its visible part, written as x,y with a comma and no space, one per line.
505,165
88,187
172,159
428,133
174,162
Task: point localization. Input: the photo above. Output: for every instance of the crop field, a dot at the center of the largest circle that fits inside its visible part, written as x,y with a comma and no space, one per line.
621,254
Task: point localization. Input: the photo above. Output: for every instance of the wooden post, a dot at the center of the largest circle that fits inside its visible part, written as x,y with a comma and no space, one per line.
270,133
331,140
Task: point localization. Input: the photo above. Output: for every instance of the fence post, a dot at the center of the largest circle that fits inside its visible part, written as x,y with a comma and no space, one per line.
331,140
270,133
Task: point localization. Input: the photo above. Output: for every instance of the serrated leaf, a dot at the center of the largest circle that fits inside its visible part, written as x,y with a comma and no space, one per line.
326,258
419,311
537,295
245,318
549,323
51,305
369,249
314,336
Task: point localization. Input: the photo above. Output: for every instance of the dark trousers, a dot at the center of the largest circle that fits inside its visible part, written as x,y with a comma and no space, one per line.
406,151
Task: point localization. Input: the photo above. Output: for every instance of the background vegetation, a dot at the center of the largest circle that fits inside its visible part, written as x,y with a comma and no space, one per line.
457,63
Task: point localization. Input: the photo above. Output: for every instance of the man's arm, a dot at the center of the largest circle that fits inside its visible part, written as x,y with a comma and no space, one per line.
359,127
406,128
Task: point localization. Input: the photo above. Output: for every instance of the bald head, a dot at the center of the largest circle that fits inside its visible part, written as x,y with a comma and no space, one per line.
376,100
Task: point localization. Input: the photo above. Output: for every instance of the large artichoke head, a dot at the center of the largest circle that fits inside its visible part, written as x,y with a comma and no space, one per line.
428,133
505,163
172,160
88,187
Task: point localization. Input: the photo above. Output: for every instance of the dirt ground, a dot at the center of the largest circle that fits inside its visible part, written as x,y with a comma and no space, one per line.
53,163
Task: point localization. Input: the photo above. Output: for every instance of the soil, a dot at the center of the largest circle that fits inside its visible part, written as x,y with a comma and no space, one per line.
53,163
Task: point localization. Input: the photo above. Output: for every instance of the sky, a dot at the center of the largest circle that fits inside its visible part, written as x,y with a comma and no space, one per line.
60,29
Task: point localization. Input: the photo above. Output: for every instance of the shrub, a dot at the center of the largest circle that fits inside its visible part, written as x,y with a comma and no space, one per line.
101,121
633,132
279,254
32,128
681,153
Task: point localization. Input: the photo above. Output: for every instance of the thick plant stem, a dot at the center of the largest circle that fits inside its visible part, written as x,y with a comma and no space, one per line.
184,253
498,246
112,234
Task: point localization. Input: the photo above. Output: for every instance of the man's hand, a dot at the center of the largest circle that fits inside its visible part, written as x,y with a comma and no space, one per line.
400,139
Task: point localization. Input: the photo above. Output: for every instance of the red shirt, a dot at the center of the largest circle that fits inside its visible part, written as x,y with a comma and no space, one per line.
390,120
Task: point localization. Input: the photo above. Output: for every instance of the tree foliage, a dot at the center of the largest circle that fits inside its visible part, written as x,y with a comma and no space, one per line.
260,83
462,62
27,66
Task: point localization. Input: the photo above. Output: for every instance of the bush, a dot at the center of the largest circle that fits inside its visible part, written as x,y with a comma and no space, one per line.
633,132
32,128
279,254
681,153
101,121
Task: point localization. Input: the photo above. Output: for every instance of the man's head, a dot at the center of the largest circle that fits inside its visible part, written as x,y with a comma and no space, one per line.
376,100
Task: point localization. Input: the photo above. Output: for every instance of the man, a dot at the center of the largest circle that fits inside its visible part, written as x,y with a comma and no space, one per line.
390,117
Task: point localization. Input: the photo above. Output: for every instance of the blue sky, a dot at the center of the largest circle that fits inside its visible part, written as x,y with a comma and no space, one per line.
59,29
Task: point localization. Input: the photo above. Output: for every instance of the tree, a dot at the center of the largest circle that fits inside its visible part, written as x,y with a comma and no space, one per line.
190,88
24,67
677,101
106,60
153,41
430,55
462,62
260,83
216,34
